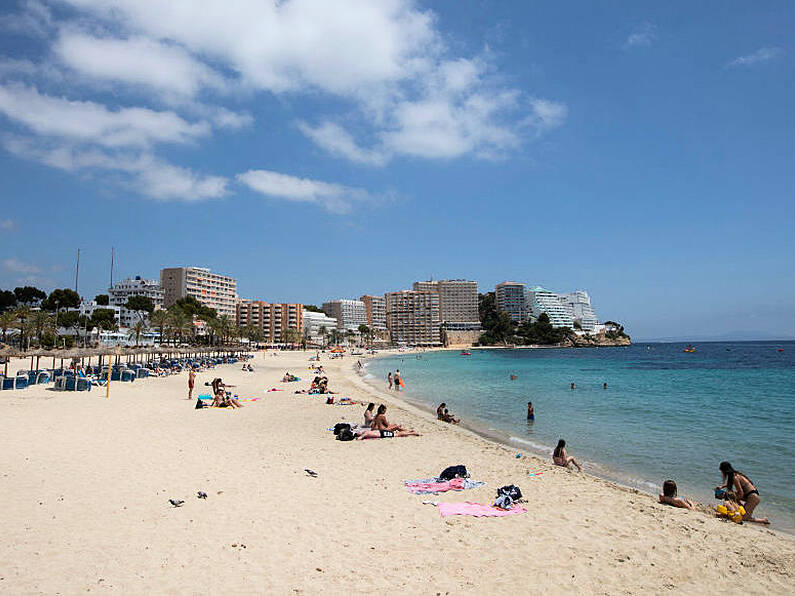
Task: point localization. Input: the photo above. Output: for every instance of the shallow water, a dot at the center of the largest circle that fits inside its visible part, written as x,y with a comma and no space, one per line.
665,413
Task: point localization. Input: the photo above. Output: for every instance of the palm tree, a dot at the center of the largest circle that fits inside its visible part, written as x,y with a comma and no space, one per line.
181,324
41,321
7,321
160,320
23,314
137,331
323,334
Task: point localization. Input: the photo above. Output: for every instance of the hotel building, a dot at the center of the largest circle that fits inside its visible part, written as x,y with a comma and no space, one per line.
273,319
211,289
511,298
349,313
458,302
414,317
124,290
374,312
539,300
578,304
314,322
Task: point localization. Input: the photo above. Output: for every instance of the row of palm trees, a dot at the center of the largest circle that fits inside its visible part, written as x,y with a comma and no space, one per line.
32,324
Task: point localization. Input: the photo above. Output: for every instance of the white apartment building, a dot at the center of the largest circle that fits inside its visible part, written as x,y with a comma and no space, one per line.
211,289
458,302
414,317
314,322
123,290
349,313
510,297
539,300
578,303
375,311
87,309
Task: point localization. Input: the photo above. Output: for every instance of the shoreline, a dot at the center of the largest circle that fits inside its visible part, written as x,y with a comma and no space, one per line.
482,429
86,482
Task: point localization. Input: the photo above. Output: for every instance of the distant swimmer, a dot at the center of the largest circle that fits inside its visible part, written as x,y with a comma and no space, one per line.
604,385
572,385
530,412
513,377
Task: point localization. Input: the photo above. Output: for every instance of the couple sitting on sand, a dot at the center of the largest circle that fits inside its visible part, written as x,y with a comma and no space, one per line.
443,414
379,426
288,378
221,398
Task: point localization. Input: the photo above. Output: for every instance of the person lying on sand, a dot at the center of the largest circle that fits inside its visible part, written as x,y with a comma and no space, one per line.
560,458
668,496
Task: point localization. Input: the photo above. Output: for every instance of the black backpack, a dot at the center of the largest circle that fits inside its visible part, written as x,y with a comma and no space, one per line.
339,426
454,472
346,435
510,490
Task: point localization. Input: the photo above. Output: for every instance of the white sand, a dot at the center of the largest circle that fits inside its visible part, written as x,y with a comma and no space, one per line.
85,483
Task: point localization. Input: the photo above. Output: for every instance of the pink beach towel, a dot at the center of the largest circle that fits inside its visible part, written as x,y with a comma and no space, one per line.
421,488
477,510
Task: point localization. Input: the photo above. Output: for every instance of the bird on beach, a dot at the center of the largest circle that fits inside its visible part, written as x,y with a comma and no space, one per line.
176,503
312,473
201,495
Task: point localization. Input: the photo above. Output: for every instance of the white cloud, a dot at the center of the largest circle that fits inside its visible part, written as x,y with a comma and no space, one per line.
337,141
34,19
86,121
6,224
14,265
760,55
643,34
143,172
164,67
333,197
547,114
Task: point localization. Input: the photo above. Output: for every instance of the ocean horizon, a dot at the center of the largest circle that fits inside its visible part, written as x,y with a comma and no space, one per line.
665,414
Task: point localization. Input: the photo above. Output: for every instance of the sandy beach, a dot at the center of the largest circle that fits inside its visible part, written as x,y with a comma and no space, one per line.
85,483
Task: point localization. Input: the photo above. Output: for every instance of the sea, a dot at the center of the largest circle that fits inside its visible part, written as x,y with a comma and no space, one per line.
666,413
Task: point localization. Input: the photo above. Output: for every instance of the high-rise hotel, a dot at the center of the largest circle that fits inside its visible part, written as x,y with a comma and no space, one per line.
272,318
211,289
414,317
510,297
458,302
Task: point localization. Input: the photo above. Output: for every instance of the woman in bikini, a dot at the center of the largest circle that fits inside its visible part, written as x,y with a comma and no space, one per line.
668,496
738,483
368,415
560,458
381,429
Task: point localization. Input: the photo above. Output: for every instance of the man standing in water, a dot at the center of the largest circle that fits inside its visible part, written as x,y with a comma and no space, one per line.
389,380
397,380
530,412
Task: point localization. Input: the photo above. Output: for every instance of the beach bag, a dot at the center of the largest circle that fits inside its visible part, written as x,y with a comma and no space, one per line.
510,490
199,404
340,426
454,472
503,502
345,435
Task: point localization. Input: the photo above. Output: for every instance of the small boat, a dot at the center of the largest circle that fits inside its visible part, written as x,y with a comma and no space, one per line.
466,353
689,349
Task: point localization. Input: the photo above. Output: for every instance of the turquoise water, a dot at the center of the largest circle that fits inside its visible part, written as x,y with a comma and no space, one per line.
665,414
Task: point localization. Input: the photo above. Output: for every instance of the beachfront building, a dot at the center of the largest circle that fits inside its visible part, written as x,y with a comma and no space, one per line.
349,313
374,312
315,322
122,291
458,302
211,289
272,318
87,308
540,300
578,304
414,317
510,297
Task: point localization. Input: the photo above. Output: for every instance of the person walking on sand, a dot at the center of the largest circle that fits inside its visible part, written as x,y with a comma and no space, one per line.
191,382
389,380
530,411
561,458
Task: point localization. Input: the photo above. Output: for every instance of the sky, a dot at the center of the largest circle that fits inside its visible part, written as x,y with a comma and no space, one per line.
642,151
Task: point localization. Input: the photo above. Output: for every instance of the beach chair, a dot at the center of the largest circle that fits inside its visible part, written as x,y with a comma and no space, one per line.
43,377
60,383
83,384
8,383
21,382
127,376
142,373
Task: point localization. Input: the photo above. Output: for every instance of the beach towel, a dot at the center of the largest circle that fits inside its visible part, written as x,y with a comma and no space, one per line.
430,486
477,510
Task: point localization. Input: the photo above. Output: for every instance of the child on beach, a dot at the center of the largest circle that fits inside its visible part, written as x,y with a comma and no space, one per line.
668,496
389,380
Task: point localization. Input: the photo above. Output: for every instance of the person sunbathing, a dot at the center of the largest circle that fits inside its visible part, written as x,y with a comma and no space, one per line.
382,429
368,415
668,496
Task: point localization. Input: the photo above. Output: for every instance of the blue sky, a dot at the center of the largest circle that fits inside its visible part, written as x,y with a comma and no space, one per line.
641,151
